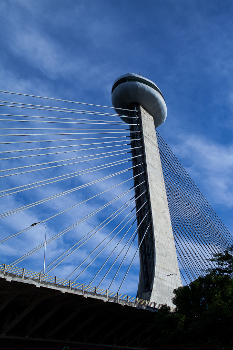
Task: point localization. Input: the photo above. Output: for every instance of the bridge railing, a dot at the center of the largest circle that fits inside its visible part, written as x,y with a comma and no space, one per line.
14,271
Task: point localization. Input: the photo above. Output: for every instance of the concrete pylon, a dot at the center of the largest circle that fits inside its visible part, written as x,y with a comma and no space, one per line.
159,271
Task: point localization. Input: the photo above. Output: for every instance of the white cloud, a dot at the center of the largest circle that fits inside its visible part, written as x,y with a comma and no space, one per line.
211,164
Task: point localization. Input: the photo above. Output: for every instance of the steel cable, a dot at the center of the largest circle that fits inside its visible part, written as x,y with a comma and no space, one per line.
13,104
109,234
66,140
59,178
67,209
68,159
69,251
62,152
61,100
66,146
69,228
133,258
57,120
60,165
70,133
57,195
128,243
96,229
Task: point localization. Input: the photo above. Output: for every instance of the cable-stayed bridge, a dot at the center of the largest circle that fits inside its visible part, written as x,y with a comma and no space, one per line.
78,217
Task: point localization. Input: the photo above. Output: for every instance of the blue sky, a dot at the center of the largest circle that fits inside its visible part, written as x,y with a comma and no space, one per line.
76,49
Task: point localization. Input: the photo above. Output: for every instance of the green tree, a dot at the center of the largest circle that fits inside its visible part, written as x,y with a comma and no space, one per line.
224,262
213,291
203,316
205,307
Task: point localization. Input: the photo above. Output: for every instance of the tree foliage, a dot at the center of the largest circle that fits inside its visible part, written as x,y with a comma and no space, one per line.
205,306
204,294
203,317
224,262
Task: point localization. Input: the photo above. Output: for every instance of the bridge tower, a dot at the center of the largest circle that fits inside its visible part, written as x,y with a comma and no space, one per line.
159,271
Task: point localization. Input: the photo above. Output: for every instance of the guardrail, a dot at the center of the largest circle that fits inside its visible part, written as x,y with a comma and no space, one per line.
54,280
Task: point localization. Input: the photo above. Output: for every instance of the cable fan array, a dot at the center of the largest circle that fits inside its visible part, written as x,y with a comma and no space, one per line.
198,231
67,191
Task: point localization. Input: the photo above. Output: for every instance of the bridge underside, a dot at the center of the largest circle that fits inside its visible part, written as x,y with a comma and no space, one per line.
39,317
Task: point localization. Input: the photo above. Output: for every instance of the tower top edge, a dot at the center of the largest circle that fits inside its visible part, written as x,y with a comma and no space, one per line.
131,90
133,77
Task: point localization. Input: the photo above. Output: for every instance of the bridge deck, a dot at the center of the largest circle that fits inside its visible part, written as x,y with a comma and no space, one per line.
34,312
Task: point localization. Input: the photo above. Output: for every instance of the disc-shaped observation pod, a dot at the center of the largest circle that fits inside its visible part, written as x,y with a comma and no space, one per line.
131,90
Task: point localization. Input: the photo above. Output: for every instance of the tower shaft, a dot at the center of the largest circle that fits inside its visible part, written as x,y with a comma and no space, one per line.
159,272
